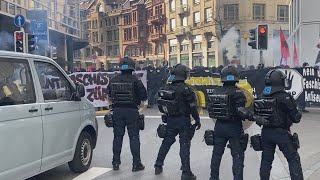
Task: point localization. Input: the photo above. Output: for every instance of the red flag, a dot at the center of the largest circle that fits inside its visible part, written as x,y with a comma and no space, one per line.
295,55
284,49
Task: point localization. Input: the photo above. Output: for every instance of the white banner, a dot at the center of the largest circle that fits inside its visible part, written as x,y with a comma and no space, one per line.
96,84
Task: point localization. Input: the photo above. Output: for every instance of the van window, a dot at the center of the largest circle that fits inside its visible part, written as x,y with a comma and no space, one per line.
55,86
16,84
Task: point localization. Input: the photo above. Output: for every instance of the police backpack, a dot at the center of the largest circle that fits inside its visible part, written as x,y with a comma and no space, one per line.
168,102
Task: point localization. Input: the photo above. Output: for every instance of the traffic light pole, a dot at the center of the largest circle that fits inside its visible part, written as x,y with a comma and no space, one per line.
261,57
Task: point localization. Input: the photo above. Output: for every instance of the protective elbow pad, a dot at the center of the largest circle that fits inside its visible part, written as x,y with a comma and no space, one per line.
242,112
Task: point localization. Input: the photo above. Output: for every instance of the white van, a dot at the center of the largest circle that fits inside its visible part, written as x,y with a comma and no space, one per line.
45,121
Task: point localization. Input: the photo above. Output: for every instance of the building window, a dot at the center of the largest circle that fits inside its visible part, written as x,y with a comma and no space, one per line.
283,13
210,44
101,37
184,47
231,12
172,24
196,1
196,46
184,22
109,50
259,11
208,14
173,49
116,35
109,35
116,50
172,5
196,16
160,48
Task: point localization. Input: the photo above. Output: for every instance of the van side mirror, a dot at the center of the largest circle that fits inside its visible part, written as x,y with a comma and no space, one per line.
80,90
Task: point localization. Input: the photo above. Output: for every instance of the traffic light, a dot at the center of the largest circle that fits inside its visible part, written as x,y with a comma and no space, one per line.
262,37
19,41
253,38
30,43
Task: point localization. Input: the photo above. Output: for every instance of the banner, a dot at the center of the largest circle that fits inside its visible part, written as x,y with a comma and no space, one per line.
304,83
96,84
311,84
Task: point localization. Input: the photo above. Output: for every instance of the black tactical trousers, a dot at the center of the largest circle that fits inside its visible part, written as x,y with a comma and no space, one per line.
126,117
281,137
182,126
225,132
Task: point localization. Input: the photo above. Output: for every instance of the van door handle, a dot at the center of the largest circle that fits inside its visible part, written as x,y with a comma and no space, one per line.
48,108
33,110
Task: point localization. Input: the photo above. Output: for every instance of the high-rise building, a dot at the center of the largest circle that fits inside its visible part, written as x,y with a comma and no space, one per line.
305,30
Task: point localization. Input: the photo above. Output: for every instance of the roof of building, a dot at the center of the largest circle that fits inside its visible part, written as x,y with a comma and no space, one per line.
86,4
114,1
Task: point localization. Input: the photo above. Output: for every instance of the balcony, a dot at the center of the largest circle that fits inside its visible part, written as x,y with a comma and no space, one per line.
158,19
157,37
183,31
183,10
133,41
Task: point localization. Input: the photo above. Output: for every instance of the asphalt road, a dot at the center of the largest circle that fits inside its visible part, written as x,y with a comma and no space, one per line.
150,143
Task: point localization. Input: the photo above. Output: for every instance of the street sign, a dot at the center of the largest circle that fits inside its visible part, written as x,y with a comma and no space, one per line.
296,88
19,20
39,28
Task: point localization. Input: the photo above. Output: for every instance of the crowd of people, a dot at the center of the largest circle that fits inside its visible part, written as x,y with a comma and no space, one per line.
157,77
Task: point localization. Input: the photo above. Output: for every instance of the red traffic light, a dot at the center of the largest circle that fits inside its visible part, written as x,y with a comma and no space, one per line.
19,36
262,30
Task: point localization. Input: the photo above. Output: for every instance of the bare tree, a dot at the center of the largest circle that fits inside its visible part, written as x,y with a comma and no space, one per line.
221,24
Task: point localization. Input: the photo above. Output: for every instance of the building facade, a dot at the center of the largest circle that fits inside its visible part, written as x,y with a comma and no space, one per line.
195,30
305,29
190,32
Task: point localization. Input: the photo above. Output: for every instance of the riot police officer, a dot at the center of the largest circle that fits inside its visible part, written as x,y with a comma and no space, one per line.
126,92
227,106
279,109
177,101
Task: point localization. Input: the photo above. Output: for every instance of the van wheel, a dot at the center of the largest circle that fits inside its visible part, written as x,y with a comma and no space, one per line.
83,154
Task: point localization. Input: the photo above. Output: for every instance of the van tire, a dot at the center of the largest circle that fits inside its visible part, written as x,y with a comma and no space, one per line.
83,154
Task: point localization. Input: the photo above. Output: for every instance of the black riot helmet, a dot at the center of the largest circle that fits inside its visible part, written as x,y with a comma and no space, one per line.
126,64
179,73
230,74
275,81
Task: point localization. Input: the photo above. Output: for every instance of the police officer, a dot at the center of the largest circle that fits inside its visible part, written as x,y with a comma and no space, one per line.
227,105
177,101
279,109
126,92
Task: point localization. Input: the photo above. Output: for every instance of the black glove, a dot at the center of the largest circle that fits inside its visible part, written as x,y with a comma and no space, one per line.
197,125
261,121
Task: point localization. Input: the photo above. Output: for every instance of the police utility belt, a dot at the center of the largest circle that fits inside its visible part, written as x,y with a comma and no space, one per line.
256,141
109,121
220,107
209,139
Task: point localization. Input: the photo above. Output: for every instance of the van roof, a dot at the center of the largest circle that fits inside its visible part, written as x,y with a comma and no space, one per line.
22,55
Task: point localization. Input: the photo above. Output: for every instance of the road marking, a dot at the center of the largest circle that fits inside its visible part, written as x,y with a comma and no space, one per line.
92,173
158,117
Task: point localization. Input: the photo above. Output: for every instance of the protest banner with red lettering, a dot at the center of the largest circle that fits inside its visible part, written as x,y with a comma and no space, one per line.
96,84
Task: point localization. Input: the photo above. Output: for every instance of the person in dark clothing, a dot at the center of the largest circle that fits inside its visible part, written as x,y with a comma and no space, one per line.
177,101
127,93
279,109
151,81
227,106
